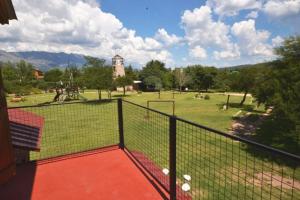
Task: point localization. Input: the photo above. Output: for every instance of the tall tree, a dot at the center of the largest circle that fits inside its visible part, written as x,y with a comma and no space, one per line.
243,81
181,77
280,88
53,75
24,72
124,81
96,75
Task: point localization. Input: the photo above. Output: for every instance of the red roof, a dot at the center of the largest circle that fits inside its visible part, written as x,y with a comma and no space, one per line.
26,129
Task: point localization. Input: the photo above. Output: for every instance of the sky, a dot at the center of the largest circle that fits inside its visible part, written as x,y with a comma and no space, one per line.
177,32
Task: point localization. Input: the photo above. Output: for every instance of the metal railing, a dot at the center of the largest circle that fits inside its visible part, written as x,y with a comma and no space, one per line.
204,163
188,160
72,127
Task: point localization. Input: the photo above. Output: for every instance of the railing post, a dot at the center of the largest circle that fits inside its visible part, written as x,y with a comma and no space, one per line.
172,154
120,120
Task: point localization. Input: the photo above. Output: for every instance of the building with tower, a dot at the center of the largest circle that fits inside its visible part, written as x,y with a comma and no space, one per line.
118,66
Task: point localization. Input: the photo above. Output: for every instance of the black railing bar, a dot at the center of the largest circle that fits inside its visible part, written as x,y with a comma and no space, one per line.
161,101
162,113
66,103
268,148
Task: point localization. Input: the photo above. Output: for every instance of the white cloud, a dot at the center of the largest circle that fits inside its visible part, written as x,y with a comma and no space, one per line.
231,53
277,41
251,41
77,26
198,52
202,30
279,8
232,7
163,36
252,14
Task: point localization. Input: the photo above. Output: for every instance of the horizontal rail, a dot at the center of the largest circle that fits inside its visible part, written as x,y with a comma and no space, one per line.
162,113
251,142
67,103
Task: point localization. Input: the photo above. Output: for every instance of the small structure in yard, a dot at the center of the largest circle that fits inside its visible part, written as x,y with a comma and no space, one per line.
25,135
17,98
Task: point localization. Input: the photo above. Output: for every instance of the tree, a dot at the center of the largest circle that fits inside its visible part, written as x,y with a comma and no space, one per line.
181,77
96,75
243,81
92,61
123,81
153,82
9,72
196,73
24,72
157,69
279,87
53,75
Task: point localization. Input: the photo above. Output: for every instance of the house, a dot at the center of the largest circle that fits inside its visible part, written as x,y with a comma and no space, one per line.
38,74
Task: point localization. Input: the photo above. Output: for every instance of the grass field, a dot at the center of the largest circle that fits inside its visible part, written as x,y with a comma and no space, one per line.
221,168
205,112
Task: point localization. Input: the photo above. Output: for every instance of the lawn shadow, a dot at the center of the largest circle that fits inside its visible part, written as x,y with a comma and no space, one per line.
277,134
120,95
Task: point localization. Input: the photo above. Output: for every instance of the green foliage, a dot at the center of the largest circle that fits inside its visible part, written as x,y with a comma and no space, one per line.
157,69
201,78
180,78
206,97
279,86
123,81
153,82
9,72
53,75
92,61
24,72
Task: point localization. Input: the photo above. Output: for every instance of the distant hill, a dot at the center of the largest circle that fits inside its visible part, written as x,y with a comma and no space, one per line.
237,67
43,60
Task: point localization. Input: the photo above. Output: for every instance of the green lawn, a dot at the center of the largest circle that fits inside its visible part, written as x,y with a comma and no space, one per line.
220,168
205,112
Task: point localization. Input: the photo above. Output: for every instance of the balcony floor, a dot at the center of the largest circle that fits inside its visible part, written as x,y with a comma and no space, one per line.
98,175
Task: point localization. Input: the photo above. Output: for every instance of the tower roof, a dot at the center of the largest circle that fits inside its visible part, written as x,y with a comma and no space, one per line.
117,56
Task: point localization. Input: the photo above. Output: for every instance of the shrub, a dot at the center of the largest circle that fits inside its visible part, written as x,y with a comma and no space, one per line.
206,97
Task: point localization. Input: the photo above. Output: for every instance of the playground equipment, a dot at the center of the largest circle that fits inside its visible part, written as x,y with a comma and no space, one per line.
68,91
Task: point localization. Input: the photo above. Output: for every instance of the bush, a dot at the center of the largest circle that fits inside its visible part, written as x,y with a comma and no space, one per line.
206,97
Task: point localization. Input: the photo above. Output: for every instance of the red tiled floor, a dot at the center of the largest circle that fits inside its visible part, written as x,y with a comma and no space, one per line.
106,175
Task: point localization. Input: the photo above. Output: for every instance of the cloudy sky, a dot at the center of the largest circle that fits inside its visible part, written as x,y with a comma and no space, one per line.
177,32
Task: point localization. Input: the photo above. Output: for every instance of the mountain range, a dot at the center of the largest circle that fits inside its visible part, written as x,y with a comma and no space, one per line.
43,60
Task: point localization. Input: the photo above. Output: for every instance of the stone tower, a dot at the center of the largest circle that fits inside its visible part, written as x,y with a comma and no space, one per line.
118,66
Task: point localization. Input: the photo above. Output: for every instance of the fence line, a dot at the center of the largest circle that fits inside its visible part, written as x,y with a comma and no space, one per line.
188,160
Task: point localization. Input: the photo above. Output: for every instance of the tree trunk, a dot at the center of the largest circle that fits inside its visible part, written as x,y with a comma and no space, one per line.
124,90
159,94
244,98
99,94
180,89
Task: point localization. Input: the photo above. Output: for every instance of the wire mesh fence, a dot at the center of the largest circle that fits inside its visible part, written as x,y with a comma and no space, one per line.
146,137
209,164
227,168
71,127
188,160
